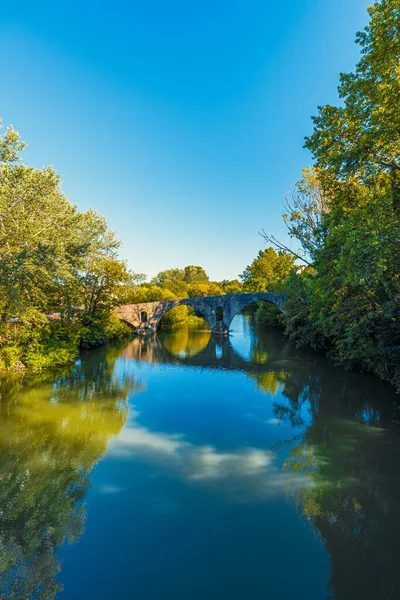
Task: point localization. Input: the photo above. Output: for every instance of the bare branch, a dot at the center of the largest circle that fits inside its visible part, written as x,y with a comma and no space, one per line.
282,246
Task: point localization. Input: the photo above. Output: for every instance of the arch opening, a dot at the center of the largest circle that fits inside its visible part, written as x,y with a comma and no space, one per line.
183,316
143,317
219,314
261,312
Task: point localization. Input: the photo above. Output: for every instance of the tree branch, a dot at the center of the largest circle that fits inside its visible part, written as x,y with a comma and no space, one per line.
281,246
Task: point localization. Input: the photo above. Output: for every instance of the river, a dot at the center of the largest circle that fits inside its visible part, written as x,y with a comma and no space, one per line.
186,467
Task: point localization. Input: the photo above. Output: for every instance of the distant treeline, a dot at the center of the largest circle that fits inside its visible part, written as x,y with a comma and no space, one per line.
190,282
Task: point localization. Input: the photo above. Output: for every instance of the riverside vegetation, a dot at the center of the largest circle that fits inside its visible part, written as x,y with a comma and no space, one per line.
59,269
345,213
60,274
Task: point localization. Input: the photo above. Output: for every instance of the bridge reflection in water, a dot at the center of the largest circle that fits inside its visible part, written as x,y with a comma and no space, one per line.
338,440
198,348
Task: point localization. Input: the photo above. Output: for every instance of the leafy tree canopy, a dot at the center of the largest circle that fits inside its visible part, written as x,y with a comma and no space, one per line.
362,137
195,275
267,272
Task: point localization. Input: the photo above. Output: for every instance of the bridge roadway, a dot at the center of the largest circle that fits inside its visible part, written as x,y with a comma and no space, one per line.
218,310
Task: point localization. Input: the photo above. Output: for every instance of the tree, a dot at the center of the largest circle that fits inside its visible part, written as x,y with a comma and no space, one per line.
231,287
267,272
306,209
348,302
362,137
195,275
204,289
53,259
10,145
170,275
103,273
149,293
39,248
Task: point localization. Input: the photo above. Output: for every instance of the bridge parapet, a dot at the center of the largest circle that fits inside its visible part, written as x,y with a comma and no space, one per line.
218,310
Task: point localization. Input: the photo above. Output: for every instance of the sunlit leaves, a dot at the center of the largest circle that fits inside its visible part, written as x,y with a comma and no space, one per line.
267,272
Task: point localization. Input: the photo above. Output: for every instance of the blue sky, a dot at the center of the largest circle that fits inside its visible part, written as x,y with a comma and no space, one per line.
182,122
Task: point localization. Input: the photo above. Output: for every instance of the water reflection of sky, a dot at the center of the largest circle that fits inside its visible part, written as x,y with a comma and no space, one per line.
191,502
246,473
204,477
242,337
215,408
193,499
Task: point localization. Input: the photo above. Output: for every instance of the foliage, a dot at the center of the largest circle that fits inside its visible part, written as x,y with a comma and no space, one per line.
55,262
306,209
170,275
195,275
268,314
173,284
204,289
362,137
176,316
267,272
346,213
150,293
231,287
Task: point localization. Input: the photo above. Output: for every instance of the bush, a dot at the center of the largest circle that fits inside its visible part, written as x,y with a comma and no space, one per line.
36,343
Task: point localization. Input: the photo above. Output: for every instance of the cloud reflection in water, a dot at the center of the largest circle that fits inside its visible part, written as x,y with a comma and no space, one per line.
249,473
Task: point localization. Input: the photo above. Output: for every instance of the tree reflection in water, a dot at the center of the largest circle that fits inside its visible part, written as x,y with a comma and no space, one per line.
340,446
185,341
347,461
348,457
344,454
51,436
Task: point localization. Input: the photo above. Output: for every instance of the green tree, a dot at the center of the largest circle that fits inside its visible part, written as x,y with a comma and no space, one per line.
267,272
305,217
39,246
102,275
53,259
231,287
362,137
195,275
204,289
348,301
170,275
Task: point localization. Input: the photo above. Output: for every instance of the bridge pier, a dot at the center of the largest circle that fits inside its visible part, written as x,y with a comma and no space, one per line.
220,329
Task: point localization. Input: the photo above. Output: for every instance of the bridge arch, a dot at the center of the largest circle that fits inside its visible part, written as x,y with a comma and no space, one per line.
202,313
251,300
212,307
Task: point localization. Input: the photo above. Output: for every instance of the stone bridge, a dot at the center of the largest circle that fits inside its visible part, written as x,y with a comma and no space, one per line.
218,310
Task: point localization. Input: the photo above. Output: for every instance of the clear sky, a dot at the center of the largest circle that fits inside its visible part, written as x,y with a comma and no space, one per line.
181,121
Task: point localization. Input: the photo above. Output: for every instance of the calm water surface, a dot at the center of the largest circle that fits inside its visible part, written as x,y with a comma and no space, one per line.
190,468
